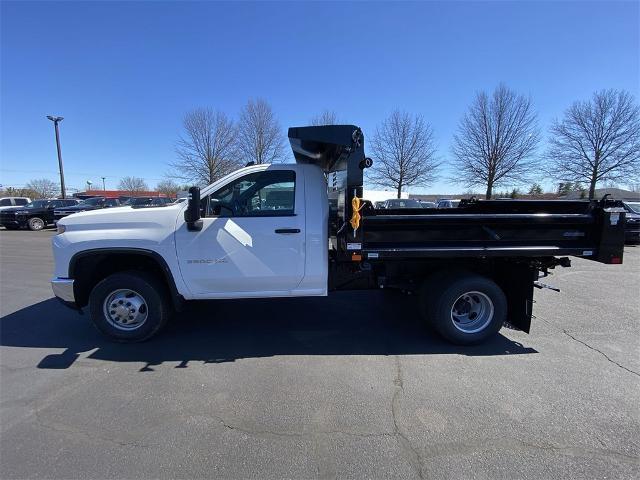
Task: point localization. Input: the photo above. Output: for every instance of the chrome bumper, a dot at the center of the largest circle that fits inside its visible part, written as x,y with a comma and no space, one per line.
63,289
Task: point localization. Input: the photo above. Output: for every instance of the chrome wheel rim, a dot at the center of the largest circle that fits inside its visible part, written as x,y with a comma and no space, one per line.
125,309
472,312
37,224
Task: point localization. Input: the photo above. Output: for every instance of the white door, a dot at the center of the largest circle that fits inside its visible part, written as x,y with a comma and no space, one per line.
252,239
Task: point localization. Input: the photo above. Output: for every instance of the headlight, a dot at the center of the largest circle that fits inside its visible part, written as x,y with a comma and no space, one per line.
21,212
61,228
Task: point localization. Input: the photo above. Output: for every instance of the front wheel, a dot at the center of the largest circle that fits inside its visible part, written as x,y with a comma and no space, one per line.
465,308
129,306
35,224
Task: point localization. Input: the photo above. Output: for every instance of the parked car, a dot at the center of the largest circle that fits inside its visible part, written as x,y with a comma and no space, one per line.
94,203
35,215
632,222
8,202
425,204
447,203
402,203
148,201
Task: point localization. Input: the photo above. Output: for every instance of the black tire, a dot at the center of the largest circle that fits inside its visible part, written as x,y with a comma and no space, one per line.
440,294
36,224
154,293
11,227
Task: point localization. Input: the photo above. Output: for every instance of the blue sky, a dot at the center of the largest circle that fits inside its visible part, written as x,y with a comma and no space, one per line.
124,74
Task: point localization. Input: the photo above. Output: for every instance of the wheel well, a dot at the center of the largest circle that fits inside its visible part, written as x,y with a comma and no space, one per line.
89,268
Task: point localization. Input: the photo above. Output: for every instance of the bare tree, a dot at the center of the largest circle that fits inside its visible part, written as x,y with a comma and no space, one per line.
43,187
327,117
133,185
404,152
495,140
168,187
597,140
259,135
206,151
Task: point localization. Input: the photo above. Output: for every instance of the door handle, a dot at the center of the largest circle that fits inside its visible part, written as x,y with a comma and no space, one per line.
287,230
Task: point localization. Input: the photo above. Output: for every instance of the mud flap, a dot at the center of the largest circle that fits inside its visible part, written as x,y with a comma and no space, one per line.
517,284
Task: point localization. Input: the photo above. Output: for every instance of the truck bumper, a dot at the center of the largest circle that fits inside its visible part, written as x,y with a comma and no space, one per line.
63,290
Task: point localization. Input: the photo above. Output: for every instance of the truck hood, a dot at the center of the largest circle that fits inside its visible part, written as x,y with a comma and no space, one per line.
10,209
121,218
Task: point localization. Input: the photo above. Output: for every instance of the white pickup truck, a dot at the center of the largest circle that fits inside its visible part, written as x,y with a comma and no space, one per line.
302,229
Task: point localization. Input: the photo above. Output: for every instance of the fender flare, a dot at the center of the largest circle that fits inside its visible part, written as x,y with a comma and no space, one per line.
176,298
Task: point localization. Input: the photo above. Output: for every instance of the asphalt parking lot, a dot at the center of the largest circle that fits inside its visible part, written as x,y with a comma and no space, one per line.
345,387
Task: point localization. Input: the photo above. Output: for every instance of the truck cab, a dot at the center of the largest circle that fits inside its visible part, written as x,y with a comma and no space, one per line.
263,234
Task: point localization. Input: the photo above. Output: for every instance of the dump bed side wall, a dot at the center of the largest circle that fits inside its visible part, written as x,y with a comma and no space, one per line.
586,229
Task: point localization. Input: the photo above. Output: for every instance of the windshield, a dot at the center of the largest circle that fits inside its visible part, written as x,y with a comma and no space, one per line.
634,207
37,204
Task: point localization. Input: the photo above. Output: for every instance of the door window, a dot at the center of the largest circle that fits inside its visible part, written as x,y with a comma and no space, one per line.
21,201
5,202
260,194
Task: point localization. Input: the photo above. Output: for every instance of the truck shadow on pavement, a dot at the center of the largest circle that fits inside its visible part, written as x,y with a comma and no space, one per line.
348,323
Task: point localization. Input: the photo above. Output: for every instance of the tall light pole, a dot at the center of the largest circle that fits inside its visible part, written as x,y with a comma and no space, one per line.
103,187
55,121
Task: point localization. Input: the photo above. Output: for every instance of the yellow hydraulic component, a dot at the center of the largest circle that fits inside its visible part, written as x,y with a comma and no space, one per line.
356,206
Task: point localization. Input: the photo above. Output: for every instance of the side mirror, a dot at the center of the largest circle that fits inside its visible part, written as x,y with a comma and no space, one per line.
192,213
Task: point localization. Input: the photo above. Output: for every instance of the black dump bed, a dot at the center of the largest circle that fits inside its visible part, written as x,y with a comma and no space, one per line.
499,228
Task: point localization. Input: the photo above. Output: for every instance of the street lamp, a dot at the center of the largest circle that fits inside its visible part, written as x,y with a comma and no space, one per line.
55,121
103,187
89,183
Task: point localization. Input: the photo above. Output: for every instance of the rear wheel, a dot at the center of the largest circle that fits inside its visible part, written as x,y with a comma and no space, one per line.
36,224
464,308
129,306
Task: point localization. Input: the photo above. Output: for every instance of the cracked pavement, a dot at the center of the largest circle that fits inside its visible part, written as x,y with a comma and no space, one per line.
345,387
